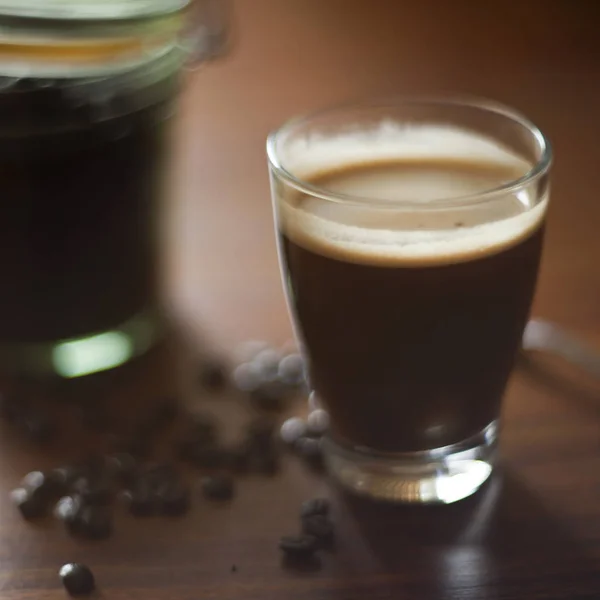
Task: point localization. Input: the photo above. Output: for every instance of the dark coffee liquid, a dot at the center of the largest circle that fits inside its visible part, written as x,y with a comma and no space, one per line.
79,170
409,353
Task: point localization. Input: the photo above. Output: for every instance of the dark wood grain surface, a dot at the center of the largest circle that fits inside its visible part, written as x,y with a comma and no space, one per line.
534,530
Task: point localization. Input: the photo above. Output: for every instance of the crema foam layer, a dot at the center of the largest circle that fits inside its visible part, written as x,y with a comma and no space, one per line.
413,196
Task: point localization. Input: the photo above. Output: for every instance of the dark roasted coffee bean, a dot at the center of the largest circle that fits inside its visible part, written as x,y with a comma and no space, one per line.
94,490
68,509
141,501
218,487
314,403
247,377
298,546
290,370
316,506
311,451
319,526
267,361
95,522
138,445
66,476
292,430
317,423
78,579
37,484
174,500
213,376
31,507
121,465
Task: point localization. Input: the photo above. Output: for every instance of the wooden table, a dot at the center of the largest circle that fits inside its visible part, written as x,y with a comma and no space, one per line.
534,530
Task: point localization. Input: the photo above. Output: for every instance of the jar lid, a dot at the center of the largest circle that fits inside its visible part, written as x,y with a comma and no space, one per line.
90,9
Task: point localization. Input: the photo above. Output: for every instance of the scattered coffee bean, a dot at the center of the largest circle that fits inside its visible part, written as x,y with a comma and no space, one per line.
317,422
213,376
77,579
311,451
208,457
313,402
298,546
292,430
218,487
290,370
316,506
239,458
68,510
247,377
122,466
95,522
319,526
65,476
30,505
174,500
37,484
96,489
140,500
267,361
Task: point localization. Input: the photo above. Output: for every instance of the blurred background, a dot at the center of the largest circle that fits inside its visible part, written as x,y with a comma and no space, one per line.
541,57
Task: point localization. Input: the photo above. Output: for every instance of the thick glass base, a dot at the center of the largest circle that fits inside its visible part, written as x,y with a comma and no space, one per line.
442,475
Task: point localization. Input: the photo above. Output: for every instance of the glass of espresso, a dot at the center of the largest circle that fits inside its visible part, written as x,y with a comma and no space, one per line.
410,235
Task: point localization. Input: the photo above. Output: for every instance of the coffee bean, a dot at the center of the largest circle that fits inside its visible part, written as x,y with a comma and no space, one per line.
313,402
95,490
95,522
213,376
247,377
141,501
174,500
267,361
31,507
239,458
68,510
65,476
319,526
311,451
121,465
316,506
317,423
292,430
77,579
218,487
290,370
298,546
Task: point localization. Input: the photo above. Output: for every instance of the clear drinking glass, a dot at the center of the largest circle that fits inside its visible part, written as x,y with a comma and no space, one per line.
410,235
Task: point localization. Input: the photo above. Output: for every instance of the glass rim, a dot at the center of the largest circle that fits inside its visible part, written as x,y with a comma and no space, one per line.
538,169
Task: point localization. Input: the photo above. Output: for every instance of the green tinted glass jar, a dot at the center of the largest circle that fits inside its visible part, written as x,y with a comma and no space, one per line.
87,89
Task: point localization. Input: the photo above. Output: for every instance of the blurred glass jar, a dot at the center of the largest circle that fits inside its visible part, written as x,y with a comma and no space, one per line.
87,89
